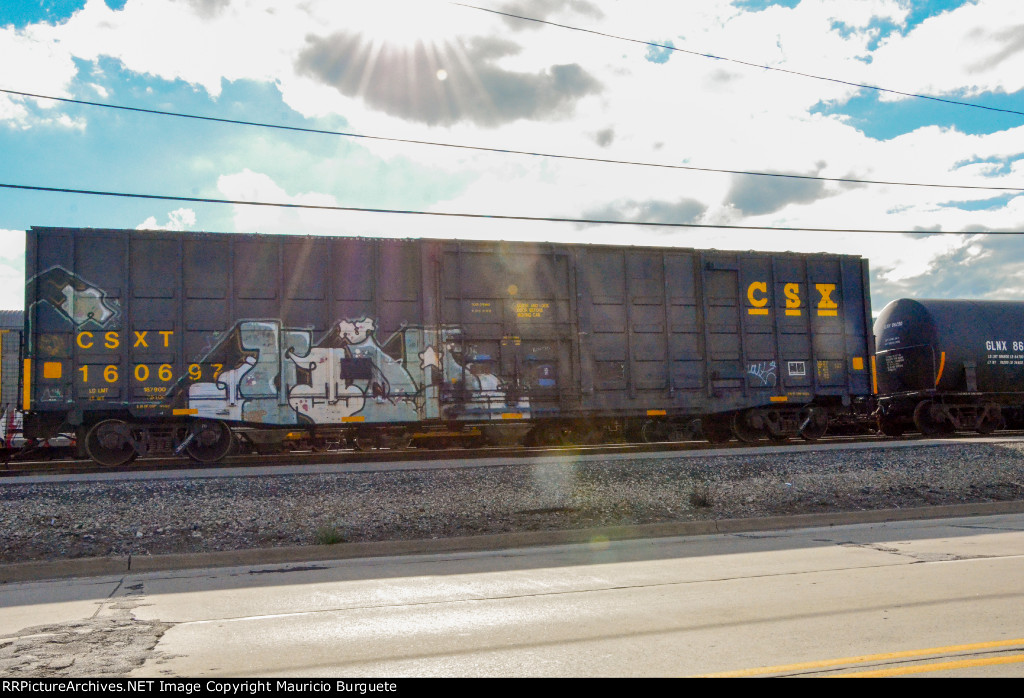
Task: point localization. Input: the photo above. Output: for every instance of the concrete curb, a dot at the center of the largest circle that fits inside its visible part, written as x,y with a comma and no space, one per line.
117,566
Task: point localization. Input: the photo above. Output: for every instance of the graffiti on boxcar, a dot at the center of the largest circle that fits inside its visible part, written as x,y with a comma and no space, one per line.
352,374
78,301
278,375
764,371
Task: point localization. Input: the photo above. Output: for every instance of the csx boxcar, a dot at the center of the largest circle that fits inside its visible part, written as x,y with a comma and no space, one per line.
138,339
949,364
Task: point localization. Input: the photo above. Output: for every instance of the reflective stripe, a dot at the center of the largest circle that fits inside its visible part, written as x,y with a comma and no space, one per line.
942,365
26,398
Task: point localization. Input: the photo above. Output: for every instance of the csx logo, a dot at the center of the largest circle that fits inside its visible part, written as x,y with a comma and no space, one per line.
112,340
757,295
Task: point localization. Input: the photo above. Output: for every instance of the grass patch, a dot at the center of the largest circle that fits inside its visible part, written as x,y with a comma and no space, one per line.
700,496
329,535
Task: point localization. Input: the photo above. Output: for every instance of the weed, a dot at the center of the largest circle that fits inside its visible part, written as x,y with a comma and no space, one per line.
329,535
700,495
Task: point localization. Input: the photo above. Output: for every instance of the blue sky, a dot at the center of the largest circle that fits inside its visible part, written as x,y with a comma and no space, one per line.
432,71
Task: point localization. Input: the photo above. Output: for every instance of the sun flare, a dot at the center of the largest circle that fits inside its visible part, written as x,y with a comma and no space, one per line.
403,23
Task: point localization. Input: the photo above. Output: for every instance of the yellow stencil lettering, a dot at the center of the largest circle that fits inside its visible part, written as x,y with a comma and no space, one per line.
826,306
792,292
759,302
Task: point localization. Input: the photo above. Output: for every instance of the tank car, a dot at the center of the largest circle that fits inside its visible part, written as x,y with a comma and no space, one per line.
142,341
946,365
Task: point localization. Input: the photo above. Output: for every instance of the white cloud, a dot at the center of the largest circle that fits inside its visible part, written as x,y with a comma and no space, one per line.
42,65
976,48
257,186
12,269
179,219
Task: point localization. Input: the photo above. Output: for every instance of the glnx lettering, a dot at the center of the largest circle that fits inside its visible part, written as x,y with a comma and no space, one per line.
1004,345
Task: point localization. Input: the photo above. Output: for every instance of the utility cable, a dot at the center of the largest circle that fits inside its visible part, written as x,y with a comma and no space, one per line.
844,180
490,216
740,62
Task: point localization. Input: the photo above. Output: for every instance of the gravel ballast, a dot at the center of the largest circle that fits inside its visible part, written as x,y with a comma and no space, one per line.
117,517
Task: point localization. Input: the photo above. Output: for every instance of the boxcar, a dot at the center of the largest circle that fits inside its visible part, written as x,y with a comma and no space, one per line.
944,365
140,340
11,324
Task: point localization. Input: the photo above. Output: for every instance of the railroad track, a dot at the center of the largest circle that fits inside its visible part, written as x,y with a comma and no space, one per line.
21,468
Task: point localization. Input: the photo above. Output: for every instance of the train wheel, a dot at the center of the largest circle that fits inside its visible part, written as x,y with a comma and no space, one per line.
590,435
744,430
653,432
890,427
210,441
554,434
775,428
716,429
366,442
930,420
991,419
987,427
813,423
109,443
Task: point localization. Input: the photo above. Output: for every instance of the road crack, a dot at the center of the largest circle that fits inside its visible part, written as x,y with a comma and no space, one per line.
109,644
916,556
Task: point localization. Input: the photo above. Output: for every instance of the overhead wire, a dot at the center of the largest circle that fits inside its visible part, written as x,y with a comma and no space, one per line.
491,216
749,64
584,221
508,151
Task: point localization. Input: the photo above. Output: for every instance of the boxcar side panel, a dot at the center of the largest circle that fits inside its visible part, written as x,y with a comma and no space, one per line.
152,330
507,319
793,317
686,344
604,319
720,274
759,316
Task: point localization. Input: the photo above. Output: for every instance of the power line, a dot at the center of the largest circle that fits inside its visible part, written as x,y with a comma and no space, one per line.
490,216
740,62
508,151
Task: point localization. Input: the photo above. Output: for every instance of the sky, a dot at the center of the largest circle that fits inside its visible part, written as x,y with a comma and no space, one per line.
752,86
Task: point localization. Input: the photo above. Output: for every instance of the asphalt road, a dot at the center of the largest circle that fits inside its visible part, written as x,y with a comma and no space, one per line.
934,597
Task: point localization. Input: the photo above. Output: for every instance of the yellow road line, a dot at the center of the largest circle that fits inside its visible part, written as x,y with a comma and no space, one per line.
860,659
941,666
